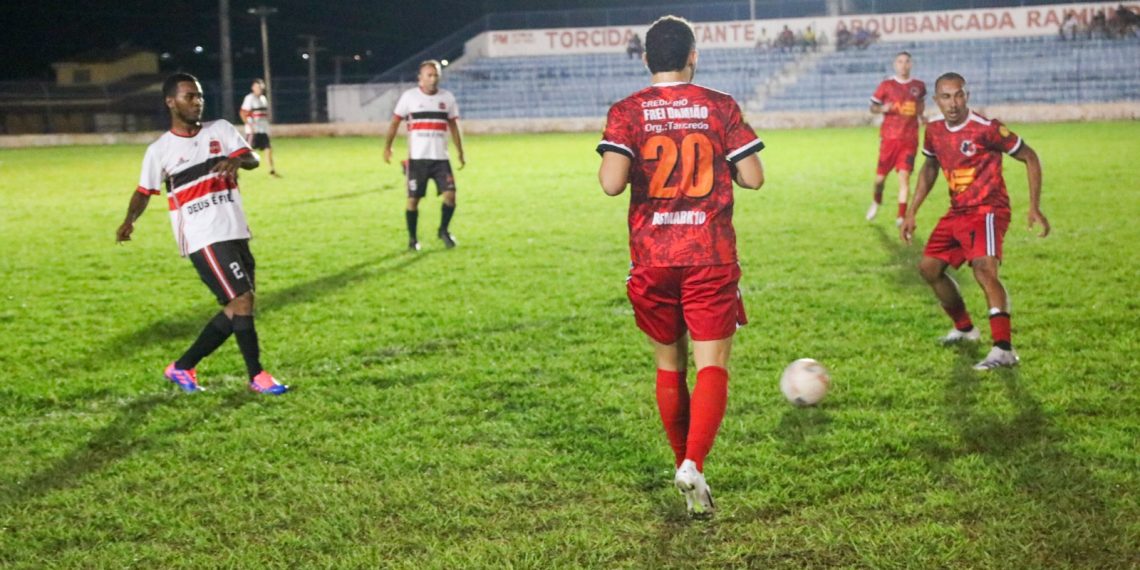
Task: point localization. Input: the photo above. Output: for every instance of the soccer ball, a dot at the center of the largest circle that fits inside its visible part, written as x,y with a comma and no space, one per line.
805,382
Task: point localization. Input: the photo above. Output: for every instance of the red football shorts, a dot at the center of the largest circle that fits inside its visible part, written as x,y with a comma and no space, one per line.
703,299
959,238
896,154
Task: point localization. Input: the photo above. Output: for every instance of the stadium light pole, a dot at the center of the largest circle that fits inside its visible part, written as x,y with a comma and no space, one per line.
227,60
264,12
751,9
310,53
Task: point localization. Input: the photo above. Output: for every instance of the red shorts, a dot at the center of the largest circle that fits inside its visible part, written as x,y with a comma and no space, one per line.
965,237
704,300
896,154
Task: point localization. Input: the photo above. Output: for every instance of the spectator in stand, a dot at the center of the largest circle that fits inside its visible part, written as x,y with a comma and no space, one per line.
809,40
763,43
864,38
634,49
842,37
1099,26
1068,27
1124,22
787,40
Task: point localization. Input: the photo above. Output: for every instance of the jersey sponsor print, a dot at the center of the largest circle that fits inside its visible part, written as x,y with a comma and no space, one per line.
970,155
682,140
427,117
205,206
901,122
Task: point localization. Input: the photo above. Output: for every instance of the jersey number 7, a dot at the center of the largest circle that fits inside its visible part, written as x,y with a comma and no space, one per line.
696,158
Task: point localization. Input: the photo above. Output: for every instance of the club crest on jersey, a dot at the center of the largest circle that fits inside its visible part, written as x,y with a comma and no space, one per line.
215,147
442,107
968,148
914,91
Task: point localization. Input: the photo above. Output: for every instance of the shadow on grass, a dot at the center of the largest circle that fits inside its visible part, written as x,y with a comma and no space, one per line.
341,196
904,258
801,424
1077,526
118,439
187,324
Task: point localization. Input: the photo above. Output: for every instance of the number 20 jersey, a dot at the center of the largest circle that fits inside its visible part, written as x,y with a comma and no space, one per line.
681,139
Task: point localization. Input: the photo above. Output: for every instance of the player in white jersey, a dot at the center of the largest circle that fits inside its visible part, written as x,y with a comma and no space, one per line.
255,114
431,112
197,163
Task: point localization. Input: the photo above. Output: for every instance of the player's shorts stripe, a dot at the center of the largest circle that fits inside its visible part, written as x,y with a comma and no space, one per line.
212,261
752,147
991,249
441,115
1016,147
192,173
609,146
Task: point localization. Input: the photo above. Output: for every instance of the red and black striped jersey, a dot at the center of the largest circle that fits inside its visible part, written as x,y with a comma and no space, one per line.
682,139
205,207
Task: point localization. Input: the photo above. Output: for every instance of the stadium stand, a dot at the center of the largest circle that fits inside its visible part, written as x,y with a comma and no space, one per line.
1006,70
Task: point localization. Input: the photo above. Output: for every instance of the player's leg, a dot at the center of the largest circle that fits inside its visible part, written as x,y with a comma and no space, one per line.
673,393
987,249
944,250
445,185
239,268
269,157
881,170
416,179
904,194
219,328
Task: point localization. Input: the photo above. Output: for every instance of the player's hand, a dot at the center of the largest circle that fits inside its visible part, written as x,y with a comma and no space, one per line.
1035,217
462,160
388,156
124,232
228,167
886,108
906,230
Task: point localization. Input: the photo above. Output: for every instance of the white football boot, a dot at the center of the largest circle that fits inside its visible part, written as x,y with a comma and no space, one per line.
998,358
898,222
874,209
691,483
956,336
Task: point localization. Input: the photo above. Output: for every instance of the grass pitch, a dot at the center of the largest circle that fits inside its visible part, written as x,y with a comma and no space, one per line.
492,406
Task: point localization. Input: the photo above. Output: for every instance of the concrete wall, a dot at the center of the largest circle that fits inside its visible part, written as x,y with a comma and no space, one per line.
1013,114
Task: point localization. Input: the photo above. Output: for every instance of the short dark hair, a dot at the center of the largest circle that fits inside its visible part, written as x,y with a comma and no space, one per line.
170,86
904,52
260,82
668,44
949,76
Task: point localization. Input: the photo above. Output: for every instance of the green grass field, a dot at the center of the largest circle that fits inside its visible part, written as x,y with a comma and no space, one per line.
492,406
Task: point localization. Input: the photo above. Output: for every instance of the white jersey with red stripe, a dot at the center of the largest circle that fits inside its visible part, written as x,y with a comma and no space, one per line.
205,206
427,117
258,107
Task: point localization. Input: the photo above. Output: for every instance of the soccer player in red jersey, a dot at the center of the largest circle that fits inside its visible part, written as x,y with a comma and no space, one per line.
902,101
679,146
197,163
968,148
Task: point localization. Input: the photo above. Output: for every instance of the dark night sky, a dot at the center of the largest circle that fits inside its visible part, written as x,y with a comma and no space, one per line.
38,32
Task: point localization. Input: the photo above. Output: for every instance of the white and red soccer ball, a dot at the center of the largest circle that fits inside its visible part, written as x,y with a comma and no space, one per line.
805,382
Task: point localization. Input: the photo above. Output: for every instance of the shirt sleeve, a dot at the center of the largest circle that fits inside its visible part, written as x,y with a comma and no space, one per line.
880,94
452,106
921,91
401,109
150,180
928,143
618,136
1001,139
234,143
247,103
739,138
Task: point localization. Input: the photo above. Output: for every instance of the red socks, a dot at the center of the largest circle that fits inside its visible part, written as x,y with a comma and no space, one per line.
902,209
673,403
960,317
999,328
710,396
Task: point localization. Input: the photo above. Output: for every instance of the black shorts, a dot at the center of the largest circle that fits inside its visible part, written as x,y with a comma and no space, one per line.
226,267
260,141
418,172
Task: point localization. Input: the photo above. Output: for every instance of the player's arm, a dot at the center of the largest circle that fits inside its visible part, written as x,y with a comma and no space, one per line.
139,200
457,138
247,160
393,128
748,172
614,173
1029,156
920,110
926,178
245,115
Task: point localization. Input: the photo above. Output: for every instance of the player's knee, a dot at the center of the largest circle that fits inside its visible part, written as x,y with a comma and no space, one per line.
242,304
985,271
931,270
